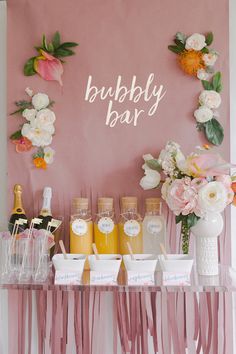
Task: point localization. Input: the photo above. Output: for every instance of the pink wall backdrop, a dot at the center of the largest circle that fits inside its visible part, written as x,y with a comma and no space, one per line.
115,38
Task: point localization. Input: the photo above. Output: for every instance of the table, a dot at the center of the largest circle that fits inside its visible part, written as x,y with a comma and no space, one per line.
102,319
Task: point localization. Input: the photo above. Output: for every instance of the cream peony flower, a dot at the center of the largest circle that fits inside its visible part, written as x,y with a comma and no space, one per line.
196,42
202,74
212,197
40,101
38,136
150,180
29,114
210,58
44,120
210,99
203,114
48,154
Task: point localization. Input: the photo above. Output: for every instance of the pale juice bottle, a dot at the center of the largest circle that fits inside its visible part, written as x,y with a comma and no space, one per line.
130,226
105,227
154,226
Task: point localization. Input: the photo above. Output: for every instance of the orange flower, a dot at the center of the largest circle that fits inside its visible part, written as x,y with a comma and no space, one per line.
23,144
191,61
39,162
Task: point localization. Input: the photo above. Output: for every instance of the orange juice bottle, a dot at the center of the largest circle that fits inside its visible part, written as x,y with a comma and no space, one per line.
81,227
130,226
105,227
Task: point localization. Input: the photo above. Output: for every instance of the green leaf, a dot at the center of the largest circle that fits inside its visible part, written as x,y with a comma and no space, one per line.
214,132
192,220
29,67
44,43
50,48
63,52
17,135
200,126
209,38
154,165
23,103
69,45
216,82
207,85
179,218
181,37
175,49
56,41
179,44
205,50
39,153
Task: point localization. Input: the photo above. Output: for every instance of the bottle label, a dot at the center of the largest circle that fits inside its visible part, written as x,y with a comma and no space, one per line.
154,226
79,227
132,228
106,225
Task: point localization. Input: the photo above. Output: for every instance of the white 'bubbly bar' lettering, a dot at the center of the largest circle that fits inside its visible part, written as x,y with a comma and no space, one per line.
120,93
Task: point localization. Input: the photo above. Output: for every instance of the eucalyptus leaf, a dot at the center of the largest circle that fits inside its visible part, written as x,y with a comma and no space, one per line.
181,37
207,85
29,67
192,219
214,132
180,45
205,50
209,38
216,82
56,41
69,45
50,48
154,165
44,42
175,49
17,135
63,52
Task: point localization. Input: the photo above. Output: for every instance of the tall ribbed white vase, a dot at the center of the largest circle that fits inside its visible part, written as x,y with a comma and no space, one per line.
206,232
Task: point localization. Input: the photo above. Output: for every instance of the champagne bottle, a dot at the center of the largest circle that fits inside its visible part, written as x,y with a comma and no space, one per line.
45,214
18,210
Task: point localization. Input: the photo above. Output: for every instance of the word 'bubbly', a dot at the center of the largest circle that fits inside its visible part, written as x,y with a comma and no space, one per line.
151,93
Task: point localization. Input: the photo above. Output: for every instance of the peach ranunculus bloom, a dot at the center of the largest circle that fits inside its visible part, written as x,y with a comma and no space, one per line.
23,144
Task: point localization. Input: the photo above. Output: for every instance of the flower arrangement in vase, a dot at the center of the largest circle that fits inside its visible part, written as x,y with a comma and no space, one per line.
194,187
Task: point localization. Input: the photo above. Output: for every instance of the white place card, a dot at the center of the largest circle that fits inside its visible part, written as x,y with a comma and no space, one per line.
172,278
140,278
103,278
68,278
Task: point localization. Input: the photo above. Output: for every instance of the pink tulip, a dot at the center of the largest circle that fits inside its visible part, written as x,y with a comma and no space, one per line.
48,67
205,165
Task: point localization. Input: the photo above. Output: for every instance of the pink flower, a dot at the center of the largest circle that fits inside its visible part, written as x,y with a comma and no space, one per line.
48,67
198,182
225,179
182,196
205,165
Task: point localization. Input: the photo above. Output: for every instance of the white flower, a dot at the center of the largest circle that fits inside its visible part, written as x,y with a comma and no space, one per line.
38,136
29,114
147,157
196,42
210,98
203,114
210,58
212,197
48,154
165,188
40,101
44,120
202,74
150,180
29,91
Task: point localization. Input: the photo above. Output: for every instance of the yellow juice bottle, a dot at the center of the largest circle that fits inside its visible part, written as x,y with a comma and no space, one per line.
81,228
130,226
105,227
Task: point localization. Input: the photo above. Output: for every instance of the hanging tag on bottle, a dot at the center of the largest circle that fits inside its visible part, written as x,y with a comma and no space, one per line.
21,221
55,223
132,228
154,226
79,227
106,225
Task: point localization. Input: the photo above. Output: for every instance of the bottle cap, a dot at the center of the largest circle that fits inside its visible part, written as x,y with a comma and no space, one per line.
105,204
152,204
80,203
17,188
129,203
47,192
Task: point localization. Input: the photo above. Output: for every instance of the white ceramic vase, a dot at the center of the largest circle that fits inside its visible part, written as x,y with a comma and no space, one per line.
206,232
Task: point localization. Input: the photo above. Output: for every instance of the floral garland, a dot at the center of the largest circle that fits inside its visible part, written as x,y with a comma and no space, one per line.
38,130
48,62
196,59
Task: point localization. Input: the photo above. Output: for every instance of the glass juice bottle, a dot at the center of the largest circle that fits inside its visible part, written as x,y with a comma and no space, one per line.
105,227
130,226
81,227
154,226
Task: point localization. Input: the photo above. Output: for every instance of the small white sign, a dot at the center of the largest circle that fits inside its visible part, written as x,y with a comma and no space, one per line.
68,278
132,228
106,225
140,278
79,227
172,278
103,278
